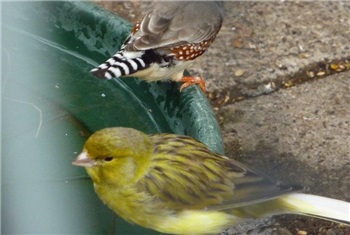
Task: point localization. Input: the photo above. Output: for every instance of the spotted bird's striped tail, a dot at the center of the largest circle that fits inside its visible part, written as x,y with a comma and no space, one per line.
121,64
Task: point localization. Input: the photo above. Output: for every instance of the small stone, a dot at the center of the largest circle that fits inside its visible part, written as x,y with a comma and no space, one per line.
310,74
288,84
239,72
321,73
334,66
301,232
304,55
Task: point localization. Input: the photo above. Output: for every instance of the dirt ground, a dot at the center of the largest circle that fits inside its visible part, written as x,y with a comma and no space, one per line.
279,82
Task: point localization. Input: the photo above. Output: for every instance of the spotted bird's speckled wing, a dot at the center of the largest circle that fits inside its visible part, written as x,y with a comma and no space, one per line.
166,27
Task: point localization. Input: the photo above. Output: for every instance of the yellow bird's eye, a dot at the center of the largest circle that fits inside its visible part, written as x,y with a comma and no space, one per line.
108,159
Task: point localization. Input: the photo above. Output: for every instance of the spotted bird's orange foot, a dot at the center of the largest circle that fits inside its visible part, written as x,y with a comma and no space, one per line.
188,81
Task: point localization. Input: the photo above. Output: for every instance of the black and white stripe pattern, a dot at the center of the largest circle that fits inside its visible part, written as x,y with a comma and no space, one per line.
118,66
126,63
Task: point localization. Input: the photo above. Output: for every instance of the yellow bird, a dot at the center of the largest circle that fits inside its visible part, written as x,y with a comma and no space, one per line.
175,184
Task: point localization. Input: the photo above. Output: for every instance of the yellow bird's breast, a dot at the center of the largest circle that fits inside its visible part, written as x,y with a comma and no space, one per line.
196,222
139,208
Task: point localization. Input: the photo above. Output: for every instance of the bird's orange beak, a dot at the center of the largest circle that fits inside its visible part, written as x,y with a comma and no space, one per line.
83,160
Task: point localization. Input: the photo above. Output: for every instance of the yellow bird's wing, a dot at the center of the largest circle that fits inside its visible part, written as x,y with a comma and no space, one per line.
252,188
185,174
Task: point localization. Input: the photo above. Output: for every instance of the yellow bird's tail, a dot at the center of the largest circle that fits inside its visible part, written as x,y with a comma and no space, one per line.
317,206
299,203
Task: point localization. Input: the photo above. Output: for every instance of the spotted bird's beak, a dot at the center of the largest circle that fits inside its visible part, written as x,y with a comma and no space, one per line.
83,160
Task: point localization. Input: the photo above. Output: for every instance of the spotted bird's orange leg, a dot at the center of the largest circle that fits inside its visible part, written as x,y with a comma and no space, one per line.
188,81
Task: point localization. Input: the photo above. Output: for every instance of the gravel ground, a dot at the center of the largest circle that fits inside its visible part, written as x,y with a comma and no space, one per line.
278,79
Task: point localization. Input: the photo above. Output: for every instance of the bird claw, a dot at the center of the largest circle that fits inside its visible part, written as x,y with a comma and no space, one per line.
188,81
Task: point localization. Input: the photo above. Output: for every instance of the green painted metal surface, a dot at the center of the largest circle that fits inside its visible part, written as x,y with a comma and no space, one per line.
50,103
